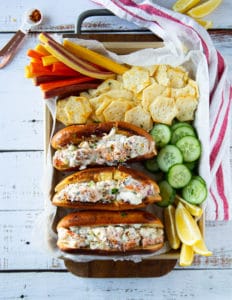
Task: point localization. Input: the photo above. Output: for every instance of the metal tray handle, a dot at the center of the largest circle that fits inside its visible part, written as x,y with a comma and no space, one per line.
90,13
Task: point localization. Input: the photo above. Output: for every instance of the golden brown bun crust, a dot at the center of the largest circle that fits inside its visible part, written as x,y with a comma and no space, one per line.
101,174
75,133
101,218
98,218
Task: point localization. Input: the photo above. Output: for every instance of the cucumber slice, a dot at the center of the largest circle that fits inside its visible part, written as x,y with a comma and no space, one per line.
180,132
190,148
195,192
167,194
152,165
179,176
198,177
179,124
161,133
168,156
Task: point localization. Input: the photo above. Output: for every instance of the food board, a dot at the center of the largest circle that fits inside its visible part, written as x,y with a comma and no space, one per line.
153,266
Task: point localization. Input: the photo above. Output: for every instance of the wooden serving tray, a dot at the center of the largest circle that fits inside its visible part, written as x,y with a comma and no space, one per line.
121,269
157,265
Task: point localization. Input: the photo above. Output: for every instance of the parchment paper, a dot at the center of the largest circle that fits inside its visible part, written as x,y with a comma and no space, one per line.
194,62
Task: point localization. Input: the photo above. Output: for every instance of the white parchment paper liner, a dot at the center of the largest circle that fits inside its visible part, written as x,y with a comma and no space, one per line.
194,61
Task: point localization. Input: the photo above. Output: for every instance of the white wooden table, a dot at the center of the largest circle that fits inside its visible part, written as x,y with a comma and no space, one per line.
29,272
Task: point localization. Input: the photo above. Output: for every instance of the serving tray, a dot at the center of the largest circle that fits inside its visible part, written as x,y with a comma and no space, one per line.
154,266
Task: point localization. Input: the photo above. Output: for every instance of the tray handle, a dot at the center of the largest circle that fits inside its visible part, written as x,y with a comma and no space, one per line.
103,12
90,13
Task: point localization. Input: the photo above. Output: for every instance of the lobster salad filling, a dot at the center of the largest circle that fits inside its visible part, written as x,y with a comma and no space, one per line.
110,150
122,237
127,190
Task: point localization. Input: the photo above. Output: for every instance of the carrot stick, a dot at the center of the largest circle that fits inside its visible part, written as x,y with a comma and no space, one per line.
37,69
63,83
69,90
49,78
61,67
34,54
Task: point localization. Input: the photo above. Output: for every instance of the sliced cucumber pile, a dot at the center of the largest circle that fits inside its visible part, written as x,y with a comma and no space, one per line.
195,192
179,150
190,148
179,176
161,133
180,132
169,156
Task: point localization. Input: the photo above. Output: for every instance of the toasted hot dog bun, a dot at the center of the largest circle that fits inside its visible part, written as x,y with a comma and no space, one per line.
77,134
107,232
139,189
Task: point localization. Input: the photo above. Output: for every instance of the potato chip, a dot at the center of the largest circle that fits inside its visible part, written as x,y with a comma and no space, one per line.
161,75
152,69
177,82
78,110
105,86
136,79
193,84
85,94
121,93
151,92
60,113
96,101
114,94
116,110
186,107
188,90
178,77
107,100
163,110
139,117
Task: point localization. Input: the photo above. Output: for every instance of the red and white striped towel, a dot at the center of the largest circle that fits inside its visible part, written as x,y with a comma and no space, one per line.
178,28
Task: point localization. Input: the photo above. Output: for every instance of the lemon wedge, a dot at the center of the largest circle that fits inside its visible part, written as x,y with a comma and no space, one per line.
187,228
186,256
205,23
170,225
194,210
200,248
184,5
204,9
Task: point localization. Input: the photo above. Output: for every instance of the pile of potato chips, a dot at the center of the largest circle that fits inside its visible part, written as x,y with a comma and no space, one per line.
141,96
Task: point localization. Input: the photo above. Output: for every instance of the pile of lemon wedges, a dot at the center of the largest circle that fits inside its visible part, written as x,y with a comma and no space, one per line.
197,10
183,231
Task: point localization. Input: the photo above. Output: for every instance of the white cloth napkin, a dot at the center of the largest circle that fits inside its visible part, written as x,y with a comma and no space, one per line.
183,30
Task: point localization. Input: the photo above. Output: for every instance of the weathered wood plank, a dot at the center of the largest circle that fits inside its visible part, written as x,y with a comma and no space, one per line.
21,116
21,182
20,242
202,284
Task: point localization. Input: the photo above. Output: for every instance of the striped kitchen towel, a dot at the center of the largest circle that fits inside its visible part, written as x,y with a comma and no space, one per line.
181,29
